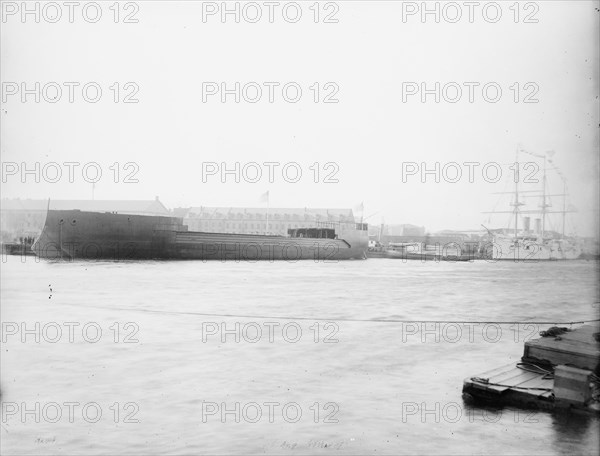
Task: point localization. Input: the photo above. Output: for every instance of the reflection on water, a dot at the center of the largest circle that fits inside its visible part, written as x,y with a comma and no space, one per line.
168,375
573,428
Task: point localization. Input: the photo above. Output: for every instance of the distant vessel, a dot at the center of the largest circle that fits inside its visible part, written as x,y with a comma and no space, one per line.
74,234
536,244
524,248
417,251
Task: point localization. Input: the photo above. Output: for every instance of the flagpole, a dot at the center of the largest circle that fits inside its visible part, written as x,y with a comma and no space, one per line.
362,213
267,225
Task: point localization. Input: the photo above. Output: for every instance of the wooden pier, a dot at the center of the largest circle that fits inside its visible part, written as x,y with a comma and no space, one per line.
557,371
14,248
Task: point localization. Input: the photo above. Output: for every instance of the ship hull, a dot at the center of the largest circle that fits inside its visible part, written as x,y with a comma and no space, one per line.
531,251
397,255
90,235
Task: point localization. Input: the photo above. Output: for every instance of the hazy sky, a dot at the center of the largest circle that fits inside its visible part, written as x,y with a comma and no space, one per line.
367,56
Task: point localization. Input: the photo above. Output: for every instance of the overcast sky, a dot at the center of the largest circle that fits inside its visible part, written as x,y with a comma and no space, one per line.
365,56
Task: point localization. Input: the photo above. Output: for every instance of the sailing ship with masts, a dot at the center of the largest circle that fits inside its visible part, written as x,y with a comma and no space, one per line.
525,243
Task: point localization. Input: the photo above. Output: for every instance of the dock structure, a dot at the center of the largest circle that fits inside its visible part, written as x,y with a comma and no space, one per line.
576,348
559,370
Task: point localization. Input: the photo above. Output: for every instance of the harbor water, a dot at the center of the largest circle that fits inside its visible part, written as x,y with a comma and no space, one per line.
193,357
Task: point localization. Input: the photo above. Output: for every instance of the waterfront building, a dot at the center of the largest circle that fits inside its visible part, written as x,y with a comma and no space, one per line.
276,221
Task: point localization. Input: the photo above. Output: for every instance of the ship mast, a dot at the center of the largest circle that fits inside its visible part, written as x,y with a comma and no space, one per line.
517,203
545,196
544,205
564,198
544,200
564,211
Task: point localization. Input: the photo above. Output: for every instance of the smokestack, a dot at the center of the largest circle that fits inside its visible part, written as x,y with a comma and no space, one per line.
526,224
538,225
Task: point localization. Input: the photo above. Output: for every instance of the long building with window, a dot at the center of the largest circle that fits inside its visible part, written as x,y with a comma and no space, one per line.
23,217
275,221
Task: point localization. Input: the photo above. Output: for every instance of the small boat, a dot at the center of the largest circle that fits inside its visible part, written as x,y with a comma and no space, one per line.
418,251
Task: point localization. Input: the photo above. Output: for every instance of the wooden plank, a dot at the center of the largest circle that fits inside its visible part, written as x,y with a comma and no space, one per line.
514,378
539,382
510,377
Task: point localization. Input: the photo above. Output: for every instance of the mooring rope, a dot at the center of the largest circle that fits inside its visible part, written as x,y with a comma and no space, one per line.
351,320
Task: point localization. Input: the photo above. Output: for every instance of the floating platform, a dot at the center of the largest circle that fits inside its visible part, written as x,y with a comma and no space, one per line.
558,371
512,385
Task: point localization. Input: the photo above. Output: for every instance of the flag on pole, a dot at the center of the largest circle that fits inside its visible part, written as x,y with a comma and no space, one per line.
264,198
360,209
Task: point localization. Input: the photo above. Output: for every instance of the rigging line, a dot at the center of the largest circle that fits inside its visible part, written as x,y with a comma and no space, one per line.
508,221
358,320
500,197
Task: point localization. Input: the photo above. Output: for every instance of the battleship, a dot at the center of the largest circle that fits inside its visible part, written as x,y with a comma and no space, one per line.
526,244
75,234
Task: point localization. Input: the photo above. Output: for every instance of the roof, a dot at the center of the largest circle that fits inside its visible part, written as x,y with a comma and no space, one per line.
122,206
335,213
404,225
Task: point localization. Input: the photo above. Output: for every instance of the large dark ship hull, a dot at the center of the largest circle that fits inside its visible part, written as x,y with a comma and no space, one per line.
76,234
